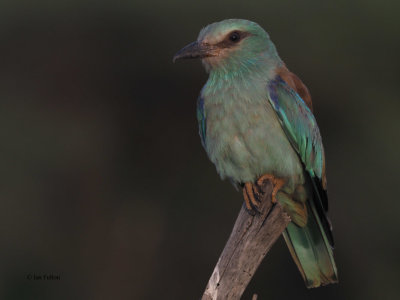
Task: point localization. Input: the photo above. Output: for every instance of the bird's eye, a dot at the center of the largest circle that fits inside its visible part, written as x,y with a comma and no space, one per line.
234,37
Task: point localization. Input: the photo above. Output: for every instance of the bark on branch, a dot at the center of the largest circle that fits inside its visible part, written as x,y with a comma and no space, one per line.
250,241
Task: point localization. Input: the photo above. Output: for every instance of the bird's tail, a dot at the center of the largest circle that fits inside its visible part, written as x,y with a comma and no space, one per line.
311,250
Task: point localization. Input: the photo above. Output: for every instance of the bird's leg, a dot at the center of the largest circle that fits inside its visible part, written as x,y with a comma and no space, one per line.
276,182
249,197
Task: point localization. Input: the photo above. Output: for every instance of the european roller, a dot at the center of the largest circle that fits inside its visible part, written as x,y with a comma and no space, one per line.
256,122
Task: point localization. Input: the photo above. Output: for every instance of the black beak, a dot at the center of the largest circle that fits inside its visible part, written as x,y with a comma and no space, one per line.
194,50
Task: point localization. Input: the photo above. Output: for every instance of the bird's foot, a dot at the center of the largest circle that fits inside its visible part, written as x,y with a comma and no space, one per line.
276,182
252,204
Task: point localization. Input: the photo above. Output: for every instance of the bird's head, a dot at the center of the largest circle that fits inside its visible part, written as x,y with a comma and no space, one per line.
231,44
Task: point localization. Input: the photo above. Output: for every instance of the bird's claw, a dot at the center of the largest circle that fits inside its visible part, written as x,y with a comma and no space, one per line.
251,202
276,182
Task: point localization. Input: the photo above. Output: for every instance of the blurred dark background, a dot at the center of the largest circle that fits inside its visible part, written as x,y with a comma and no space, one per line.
103,179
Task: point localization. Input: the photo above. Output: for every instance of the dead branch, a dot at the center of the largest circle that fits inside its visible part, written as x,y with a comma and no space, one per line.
249,242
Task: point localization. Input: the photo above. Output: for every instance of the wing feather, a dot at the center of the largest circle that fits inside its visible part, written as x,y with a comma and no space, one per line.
301,128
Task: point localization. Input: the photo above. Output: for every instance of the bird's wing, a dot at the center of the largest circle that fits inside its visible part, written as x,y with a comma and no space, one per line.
299,125
302,130
201,118
296,84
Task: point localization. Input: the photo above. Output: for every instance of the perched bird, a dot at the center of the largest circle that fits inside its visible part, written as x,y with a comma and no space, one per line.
256,122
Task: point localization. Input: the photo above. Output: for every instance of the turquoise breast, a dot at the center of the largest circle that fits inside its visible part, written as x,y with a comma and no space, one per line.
244,137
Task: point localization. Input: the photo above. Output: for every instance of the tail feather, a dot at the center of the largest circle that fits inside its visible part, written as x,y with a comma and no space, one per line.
311,250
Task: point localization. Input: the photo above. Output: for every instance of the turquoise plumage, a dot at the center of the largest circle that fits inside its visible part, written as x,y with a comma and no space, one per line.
255,120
